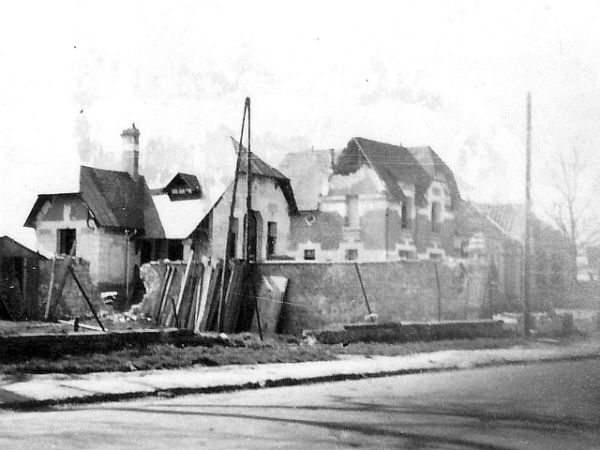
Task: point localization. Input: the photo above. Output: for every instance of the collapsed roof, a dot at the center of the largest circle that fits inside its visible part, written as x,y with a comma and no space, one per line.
309,174
395,164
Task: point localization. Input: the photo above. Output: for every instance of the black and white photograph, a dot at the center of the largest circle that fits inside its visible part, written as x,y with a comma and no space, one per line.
300,224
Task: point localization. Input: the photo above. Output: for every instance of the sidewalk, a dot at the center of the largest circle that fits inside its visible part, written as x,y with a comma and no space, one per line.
53,389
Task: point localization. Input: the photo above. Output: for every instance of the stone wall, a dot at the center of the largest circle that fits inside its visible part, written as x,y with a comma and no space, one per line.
410,332
45,345
323,294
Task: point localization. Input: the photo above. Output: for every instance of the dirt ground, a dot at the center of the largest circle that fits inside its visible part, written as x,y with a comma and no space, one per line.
9,328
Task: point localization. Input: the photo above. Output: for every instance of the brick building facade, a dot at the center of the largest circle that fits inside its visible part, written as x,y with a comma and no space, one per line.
373,202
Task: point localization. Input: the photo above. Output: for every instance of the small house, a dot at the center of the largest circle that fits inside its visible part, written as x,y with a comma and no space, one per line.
103,222
192,221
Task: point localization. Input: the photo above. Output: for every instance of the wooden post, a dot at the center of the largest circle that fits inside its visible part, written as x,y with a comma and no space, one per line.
468,296
50,289
387,232
184,281
256,304
203,295
249,191
170,275
231,216
439,291
174,306
24,296
527,244
85,296
62,279
362,287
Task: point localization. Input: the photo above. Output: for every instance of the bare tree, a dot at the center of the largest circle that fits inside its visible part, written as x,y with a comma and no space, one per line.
573,211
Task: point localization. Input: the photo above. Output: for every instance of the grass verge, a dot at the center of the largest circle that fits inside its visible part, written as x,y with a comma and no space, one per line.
276,350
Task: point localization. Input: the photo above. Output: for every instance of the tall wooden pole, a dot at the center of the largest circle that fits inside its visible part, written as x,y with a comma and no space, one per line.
527,249
251,254
50,290
249,191
439,291
229,226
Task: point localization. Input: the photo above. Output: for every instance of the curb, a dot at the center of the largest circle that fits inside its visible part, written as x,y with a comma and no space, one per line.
31,405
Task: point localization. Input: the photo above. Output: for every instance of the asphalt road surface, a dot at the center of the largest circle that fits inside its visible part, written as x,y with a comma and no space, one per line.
545,406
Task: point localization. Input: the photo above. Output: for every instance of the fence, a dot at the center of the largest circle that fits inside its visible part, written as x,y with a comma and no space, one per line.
290,297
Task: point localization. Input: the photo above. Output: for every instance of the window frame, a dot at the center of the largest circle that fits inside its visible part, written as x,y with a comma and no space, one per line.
307,251
63,240
351,254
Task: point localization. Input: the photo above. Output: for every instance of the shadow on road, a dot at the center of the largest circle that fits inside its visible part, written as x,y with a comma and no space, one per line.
517,419
415,440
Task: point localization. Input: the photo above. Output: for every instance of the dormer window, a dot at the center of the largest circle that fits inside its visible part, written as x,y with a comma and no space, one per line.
183,186
181,191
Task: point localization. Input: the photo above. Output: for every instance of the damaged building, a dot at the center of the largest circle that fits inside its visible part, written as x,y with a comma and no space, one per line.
199,223
103,222
372,202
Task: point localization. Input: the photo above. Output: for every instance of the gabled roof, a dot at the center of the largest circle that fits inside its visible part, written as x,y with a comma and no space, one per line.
190,180
262,169
396,164
308,172
179,218
435,167
9,248
114,200
509,217
258,166
41,200
469,220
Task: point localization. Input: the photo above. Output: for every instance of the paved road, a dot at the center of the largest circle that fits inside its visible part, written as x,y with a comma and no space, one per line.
546,406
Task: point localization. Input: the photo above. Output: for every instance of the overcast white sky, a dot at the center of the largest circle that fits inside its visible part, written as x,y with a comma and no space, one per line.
453,75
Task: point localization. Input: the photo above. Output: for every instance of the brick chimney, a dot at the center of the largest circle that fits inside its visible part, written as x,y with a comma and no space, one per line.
130,158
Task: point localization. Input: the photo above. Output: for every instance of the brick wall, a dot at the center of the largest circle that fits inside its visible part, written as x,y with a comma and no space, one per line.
380,235
322,294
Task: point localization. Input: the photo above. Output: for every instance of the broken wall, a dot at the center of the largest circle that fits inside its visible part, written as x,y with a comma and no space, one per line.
70,303
323,294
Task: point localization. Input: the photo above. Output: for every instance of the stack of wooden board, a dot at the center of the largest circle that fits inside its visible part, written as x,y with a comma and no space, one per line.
236,296
184,294
270,297
188,296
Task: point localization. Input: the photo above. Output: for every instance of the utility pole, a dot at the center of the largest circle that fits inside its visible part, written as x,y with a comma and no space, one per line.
230,222
527,249
249,216
251,253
